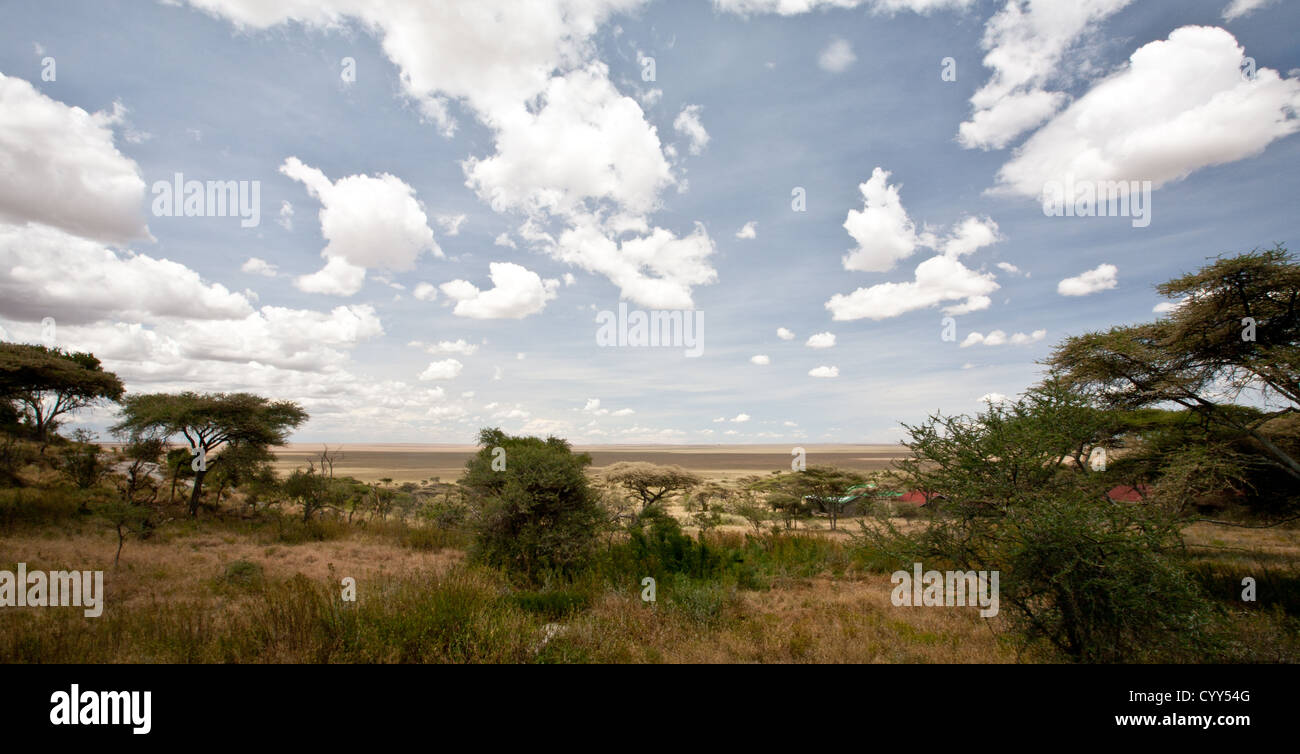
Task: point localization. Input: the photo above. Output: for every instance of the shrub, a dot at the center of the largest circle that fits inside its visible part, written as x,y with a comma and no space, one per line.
1099,581
243,574
538,515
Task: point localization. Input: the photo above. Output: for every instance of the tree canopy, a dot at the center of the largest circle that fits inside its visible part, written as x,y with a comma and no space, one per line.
49,383
1234,330
210,420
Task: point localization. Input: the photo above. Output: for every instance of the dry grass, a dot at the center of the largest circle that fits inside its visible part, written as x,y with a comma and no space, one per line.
813,621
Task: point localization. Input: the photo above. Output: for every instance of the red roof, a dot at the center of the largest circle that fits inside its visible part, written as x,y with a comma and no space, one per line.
1126,494
916,496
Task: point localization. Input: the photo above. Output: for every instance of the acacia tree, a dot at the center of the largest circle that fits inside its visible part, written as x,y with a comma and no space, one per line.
1235,329
49,383
824,487
1097,580
209,421
649,482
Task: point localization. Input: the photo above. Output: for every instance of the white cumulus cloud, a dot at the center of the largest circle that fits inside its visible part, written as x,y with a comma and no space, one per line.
1101,278
516,293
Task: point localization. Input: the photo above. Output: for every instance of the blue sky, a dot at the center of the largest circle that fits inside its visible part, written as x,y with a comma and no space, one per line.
535,144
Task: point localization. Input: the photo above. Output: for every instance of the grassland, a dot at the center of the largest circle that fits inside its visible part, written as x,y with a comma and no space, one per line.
242,586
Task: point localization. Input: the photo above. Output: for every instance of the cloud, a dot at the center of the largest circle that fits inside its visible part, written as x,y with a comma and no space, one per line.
656,270
459,346
63,170
821,340
882,228
1238,8
1165,307
748,232
784,334
47,272
796,7
1026,42
568,146
885,234
938,279
1181,104
425,292
1008,267
442,370
451,223
824,371
837,56
337,278
1101,278
516,293
367,221
998,338
688,124
504,239
971,235
740,419
761,360
255,266
586,144
992,398
285,220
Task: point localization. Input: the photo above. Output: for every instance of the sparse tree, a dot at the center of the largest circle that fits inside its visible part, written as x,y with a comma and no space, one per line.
649,482
209,421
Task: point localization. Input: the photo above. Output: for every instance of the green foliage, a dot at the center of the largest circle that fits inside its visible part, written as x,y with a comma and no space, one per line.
552,604
82,462
244,574
49,383
538,514
1236,330
209,421
795,494
1096,580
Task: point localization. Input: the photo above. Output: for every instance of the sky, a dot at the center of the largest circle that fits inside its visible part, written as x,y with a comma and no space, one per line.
435,208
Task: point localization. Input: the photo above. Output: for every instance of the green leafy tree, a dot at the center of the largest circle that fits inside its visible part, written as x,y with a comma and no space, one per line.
820,488
1098,581
537,513
1236,329
49,383
83,462
208,422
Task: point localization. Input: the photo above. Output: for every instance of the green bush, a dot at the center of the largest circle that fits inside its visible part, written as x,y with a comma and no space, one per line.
243,574
537,513
1096,580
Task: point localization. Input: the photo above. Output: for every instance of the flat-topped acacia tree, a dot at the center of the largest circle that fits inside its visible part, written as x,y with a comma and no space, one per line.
209,421
49,383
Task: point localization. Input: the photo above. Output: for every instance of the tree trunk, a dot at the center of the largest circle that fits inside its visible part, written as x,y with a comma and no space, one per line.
194,495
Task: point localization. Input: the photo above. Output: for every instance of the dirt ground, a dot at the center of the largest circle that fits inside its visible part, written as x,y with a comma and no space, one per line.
415,463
